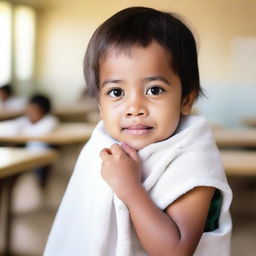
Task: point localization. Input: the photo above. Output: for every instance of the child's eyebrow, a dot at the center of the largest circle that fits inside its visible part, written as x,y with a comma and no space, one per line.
154,78
145,80
115,81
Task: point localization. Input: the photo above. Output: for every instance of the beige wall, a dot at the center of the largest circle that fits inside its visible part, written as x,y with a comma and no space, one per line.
226,32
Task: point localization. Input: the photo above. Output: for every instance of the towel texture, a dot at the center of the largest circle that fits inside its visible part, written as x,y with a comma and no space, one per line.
93,221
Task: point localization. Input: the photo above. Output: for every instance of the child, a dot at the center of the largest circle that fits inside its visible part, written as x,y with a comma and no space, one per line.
8,102
37,121
150,180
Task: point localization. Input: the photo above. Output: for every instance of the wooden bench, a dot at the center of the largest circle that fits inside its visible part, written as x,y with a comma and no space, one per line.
13,162
65,133
239,162
235,137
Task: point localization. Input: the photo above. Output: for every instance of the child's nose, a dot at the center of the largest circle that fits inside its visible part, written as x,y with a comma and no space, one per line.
136,107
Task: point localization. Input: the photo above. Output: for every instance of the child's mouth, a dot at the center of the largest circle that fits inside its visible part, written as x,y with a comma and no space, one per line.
137,129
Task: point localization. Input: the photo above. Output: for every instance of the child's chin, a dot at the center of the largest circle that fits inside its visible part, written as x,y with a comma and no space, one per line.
137,145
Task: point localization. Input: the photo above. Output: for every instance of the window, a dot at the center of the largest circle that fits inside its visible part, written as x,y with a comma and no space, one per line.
5,42
17,47
24,42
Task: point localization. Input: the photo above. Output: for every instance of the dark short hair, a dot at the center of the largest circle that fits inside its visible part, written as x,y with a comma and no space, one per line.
139,26
7,88
42,102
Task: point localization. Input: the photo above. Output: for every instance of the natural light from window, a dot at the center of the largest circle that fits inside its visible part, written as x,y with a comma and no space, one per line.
24,42
5,42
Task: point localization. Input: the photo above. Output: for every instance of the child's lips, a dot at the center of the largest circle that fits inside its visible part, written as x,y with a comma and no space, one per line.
138,129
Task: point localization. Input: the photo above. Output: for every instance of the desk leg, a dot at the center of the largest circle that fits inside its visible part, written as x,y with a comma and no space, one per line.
1,206
1,189
9,184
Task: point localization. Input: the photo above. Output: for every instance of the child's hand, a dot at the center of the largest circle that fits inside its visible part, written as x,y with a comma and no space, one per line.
121,169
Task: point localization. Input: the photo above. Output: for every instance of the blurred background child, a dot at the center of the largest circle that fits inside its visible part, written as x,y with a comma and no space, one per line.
37,121
8,101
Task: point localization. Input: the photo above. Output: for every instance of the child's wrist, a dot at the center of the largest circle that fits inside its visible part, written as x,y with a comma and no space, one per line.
130,195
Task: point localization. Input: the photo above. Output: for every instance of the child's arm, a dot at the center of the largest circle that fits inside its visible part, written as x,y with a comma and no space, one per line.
176,231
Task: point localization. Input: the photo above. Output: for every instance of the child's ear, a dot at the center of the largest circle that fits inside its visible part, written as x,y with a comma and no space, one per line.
187,103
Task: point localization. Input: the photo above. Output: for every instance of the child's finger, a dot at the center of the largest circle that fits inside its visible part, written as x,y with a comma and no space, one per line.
115,148
131,152
105,153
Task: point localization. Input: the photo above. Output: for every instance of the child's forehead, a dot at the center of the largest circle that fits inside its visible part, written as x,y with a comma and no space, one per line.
34,105
129,50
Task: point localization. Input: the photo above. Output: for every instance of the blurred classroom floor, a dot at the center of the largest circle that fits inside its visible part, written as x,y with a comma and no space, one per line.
35,209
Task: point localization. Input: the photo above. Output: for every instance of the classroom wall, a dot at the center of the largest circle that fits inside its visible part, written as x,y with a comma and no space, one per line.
225,31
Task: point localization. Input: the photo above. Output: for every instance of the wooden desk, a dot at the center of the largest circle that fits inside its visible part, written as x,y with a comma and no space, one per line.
6,114
235,137
239,162
17,160
68,113
13,162
75,112
66,133
250,121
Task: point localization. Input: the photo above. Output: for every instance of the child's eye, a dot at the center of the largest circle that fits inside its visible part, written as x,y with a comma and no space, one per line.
116,93
155,90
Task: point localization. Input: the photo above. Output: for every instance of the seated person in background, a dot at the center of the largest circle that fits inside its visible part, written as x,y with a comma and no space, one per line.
37,121
8,102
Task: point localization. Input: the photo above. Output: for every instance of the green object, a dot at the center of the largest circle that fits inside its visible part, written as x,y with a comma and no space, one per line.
212,221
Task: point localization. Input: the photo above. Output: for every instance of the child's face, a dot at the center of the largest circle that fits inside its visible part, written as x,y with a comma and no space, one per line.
140,97
34,112
3,95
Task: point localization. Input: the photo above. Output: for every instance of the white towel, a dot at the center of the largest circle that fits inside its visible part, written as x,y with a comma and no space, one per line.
92,221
